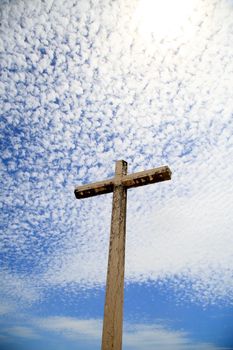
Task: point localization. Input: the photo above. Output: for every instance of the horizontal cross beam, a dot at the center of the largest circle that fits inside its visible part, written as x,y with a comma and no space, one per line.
128,181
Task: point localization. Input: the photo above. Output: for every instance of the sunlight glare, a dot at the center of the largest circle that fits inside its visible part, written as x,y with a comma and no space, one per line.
164,17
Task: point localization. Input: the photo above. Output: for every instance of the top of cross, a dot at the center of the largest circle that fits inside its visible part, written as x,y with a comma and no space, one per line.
121,178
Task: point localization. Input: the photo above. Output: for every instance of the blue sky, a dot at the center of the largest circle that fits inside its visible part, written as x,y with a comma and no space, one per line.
85,83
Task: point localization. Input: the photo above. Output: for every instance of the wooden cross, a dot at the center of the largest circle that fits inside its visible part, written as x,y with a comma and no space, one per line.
113,309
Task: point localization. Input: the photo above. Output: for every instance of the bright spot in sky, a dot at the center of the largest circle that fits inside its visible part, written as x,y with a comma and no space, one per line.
164,17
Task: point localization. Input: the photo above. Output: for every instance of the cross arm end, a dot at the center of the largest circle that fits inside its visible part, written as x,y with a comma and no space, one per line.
147,177
91,190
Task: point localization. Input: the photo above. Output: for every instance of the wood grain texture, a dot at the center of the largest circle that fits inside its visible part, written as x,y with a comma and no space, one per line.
113,310
132,180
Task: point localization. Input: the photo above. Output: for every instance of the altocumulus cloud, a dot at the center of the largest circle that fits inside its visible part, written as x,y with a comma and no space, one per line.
80,89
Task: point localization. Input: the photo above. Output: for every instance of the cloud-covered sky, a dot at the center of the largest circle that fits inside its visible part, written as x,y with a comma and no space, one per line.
85,83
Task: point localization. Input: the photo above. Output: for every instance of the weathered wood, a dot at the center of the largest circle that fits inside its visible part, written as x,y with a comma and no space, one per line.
133,180
113,310
94,189
147,177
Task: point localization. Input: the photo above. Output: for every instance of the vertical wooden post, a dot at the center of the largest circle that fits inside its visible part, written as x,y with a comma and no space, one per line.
113,309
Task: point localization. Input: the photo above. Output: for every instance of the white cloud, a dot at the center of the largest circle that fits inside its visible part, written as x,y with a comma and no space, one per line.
22,332
82,88
6,308
72,327
141,336
18,288
135,336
